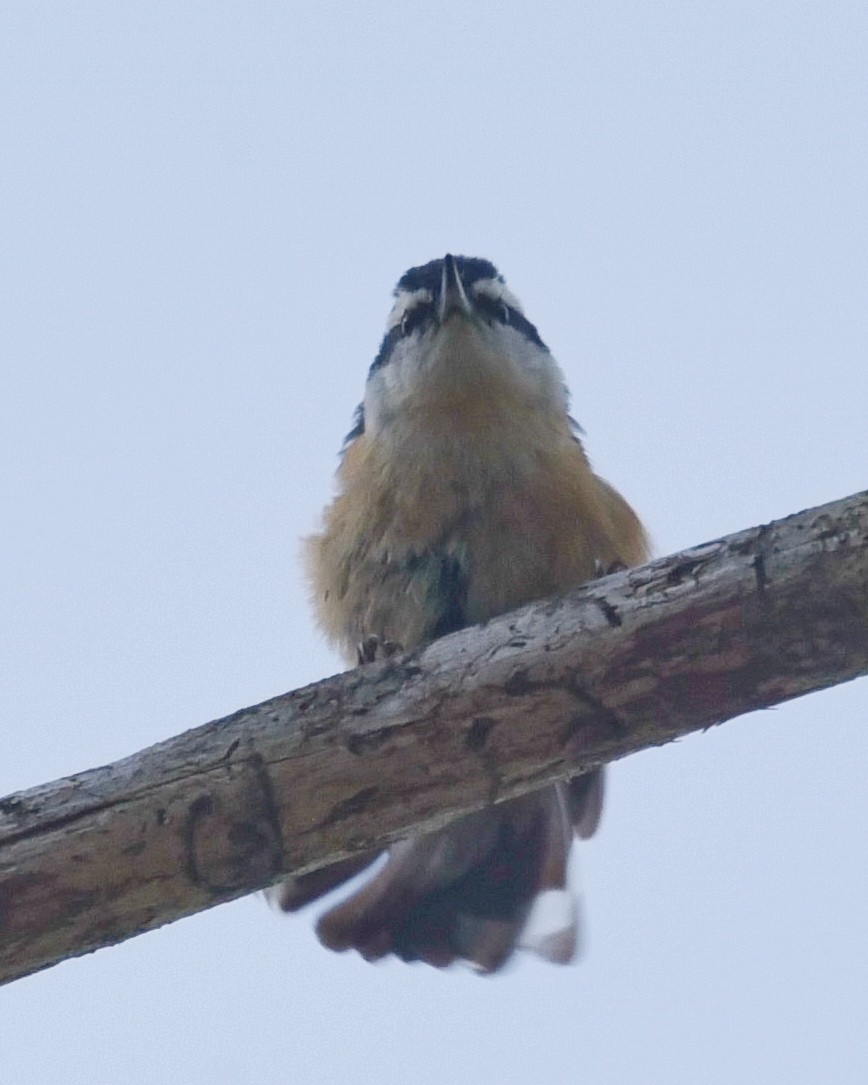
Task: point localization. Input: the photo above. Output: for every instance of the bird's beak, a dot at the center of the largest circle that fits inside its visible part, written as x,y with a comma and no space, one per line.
453,298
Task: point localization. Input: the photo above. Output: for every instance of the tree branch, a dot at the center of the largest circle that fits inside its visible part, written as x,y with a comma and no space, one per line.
630,661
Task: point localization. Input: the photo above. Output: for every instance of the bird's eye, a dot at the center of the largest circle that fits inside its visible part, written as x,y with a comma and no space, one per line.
494,310
414,317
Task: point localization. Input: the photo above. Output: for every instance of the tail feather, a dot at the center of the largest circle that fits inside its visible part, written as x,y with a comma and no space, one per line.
294,892
552,929
584,797
474,891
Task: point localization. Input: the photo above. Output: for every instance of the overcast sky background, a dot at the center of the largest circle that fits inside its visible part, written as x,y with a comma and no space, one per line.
204,209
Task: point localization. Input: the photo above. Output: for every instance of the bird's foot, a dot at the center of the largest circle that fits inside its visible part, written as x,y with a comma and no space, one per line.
601,570
375,649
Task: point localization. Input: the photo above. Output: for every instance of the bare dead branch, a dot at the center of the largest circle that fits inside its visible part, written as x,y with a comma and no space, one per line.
630,661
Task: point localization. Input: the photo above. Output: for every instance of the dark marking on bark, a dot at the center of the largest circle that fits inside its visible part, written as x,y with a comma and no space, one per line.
759,568
477,733
351,806
78,902
759,560
225,850
579,733
247,836
616,726
610,612
271,811
22,889
824,526
680,572
366,743
201,807
519,685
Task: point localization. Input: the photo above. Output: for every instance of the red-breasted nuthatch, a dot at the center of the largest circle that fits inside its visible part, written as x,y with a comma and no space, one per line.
464,492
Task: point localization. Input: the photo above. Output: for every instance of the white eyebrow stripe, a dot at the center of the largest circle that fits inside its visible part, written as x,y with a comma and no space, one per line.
407,300
497,291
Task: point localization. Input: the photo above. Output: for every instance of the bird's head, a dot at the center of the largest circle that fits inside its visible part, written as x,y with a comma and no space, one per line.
457,340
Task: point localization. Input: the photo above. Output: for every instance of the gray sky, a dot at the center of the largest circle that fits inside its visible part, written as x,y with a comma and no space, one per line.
205,207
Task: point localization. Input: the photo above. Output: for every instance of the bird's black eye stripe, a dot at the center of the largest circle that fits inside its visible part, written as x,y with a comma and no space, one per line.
495,311
416,316
520,322
413,319
501,313
386,347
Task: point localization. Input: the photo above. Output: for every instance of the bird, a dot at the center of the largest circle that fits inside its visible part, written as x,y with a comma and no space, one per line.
463,492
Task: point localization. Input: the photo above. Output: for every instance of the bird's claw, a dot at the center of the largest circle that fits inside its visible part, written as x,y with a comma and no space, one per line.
375,649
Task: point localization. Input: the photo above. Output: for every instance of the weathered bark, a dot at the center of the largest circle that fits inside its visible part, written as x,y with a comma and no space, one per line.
630,661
